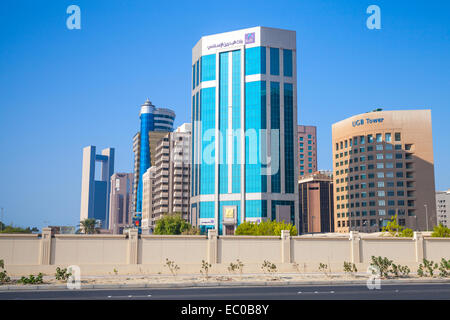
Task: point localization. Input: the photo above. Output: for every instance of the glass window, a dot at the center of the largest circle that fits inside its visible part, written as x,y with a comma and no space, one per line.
381,212
379,137
380,184
287,63
381,193
398,136
387,137
379,147
379,156
369,138
388,155
361,139
388,147
380,174
380,165
274,61
389,165
208,68
255,60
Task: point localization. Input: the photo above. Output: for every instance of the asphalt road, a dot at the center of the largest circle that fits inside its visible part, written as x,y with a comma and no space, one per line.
337,292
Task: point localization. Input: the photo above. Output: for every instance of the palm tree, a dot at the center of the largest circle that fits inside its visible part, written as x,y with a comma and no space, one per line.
88,226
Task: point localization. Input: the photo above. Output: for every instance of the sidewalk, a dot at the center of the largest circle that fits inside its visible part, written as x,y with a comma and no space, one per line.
216,280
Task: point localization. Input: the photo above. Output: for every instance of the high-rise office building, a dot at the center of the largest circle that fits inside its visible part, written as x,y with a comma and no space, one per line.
155,124
167,183
120,202
383,166
443,207
315,193
244,128
307,150
95,192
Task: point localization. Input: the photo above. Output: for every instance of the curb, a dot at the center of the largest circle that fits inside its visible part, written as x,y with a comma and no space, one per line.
217,284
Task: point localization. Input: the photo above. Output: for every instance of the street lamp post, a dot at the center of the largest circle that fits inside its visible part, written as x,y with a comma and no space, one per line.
426,214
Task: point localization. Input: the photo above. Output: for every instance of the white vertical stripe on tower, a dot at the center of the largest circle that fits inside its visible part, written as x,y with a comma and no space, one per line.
242,134
217,146
282,147
229,154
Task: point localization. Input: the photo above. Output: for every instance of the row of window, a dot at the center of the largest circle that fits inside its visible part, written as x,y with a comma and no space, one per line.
364,223
379,147
204,69
379,193
370,139
381,203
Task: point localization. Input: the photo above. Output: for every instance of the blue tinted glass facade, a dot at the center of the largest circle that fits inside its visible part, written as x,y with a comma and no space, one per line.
223,121
207,155
208,67
194,111
147,124
287,63
255,120
274,61
236,121
256,208
275,124
255,60
289,138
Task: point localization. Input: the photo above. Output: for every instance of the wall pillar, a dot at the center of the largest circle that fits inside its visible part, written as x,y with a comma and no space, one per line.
133,240
212,246
285,246
355,239
46,246
418,238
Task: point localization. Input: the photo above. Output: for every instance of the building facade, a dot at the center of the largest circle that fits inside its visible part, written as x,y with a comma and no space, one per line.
167,184
244,131
316,207
443,207
383,166
155,124
120,202
307,150
95,192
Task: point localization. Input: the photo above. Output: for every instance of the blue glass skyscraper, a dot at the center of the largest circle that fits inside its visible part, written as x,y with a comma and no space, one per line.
244,128
155,123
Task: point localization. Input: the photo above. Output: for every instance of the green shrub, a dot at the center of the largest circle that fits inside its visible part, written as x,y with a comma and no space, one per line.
444,268
62,274
238,266
382,264
396,230
440,231
269,267
427,268
349,267
171,224
32,279
172,267
3,274
205,269
264,228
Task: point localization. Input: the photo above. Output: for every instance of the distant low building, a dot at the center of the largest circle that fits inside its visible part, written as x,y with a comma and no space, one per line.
316,203
443,207
63,229
120,207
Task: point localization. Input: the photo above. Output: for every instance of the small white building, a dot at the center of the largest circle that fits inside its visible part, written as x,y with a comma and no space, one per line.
442,207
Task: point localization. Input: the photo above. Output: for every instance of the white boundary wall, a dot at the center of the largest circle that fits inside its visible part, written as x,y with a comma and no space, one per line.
25,254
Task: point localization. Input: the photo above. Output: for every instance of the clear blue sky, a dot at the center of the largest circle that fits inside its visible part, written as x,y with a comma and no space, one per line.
61,90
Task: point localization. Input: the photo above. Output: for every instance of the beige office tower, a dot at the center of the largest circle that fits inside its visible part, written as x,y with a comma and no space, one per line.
307,150
383,166
120,202
166,186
